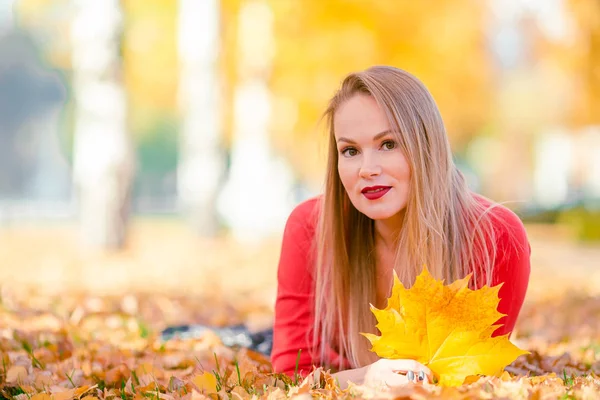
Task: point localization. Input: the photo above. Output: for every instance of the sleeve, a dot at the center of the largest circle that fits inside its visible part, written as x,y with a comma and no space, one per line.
293,306
512,269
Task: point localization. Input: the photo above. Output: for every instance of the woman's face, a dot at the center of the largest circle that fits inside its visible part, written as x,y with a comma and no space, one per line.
373,170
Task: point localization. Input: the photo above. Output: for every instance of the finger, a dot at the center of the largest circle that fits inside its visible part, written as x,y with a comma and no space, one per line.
418,368
427,371
417,376
394,380
402,366
423,378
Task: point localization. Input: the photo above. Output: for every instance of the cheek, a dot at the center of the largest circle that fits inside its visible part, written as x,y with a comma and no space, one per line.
403,177
346,175
406,175
403,169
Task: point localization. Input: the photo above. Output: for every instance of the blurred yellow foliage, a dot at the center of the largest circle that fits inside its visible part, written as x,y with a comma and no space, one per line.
150,58
318,43
583,55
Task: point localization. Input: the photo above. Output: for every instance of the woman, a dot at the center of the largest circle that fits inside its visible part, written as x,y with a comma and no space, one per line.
393,201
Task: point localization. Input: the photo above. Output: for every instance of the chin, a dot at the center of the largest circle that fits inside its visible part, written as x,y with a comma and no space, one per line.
379,216
378,213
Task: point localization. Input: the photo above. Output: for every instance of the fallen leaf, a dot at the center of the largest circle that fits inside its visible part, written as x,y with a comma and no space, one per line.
206,382
16,374
239,393
43,380
41,396
63,394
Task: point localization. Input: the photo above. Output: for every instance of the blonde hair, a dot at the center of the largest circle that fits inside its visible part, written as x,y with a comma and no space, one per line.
445,226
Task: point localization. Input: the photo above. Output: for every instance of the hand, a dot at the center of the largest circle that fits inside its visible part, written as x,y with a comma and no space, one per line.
390,373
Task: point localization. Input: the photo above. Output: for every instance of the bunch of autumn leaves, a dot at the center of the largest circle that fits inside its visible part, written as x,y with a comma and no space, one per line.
447,328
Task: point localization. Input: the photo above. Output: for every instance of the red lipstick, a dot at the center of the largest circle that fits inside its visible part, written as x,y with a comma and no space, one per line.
375,192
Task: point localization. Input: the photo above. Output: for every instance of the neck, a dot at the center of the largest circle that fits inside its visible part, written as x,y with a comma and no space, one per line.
387,231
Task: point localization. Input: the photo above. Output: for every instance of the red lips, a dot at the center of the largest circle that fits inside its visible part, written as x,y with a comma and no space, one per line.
375,192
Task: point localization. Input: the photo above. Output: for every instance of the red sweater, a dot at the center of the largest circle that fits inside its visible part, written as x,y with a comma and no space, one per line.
295,291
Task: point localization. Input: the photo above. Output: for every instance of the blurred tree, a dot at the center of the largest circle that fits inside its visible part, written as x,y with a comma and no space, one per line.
103,156
317,43
256,198
201,161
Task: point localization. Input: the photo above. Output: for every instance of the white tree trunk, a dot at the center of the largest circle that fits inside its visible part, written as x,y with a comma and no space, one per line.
201,162
257,197
103,155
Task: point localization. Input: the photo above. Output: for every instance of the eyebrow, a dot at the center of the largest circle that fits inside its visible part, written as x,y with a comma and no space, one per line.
375,138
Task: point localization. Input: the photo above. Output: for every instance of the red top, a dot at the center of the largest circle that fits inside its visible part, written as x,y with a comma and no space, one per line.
293,307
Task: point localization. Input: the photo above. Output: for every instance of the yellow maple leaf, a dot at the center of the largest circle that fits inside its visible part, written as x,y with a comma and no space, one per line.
445,327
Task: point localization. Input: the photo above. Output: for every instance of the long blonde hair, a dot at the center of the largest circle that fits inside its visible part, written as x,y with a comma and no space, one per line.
445,226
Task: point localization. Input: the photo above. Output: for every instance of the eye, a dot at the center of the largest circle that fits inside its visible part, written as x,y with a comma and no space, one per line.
389,145
349,152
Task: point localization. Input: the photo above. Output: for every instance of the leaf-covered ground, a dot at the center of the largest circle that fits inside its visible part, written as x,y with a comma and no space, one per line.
75,344
79,346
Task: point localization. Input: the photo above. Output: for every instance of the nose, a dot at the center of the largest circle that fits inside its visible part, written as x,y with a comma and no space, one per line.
370,167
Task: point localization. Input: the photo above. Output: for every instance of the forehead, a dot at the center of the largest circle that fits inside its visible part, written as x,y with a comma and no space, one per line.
359,115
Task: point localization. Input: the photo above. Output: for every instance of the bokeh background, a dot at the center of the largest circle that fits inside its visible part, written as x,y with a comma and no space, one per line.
158,146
